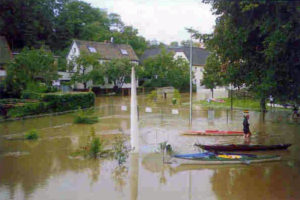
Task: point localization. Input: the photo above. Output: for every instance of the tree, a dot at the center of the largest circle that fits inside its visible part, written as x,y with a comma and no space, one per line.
27,23
87,68
129,35
258,45
118,71
212,76
30,66
163,70
174,44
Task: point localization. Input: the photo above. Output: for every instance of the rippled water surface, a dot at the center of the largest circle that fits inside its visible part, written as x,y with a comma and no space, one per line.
43,169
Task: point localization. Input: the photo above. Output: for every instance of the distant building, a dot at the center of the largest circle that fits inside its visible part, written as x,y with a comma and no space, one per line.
199,58
5,56
107,51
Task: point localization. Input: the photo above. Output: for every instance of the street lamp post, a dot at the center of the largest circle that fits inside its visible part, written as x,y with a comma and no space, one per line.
191,77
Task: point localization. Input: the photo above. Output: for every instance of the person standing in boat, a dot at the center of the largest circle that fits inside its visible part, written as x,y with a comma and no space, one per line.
246,124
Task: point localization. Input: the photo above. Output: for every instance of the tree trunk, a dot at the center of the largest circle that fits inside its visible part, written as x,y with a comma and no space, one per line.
212,93
84,85
263,104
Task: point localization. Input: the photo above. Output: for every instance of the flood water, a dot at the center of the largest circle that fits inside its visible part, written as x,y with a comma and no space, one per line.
44,169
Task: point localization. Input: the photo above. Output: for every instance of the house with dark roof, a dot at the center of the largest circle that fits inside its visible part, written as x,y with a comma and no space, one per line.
5,56
106,52
199,56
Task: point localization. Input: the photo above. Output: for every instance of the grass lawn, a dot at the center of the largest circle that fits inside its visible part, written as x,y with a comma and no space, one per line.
250,104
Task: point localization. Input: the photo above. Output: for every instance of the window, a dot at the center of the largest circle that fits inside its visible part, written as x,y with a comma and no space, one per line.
124,52
92,49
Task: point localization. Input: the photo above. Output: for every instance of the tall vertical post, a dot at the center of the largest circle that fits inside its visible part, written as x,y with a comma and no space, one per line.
133,115
231,100
191,78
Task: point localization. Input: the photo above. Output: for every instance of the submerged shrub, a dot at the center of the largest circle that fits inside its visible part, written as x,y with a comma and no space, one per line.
120,150
32,135
94,147
84,118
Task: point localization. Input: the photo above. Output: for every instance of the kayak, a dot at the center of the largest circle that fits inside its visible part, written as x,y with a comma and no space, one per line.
243,147
209,158
215,133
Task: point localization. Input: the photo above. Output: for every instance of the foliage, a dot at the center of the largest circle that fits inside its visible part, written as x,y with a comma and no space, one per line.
30,95
87,68
118,71
162,70
32,135
84,117
238,103
51,102
94,147
59,102
257,43
120,150
27,109
29,68
174,44
176,97
34,23
213,75
129,35
34,90
152,96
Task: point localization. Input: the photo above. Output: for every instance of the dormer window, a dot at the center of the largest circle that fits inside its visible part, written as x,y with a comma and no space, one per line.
92,49
124,52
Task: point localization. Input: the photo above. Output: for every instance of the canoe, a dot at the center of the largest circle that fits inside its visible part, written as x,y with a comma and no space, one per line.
243,147
214,133
209,158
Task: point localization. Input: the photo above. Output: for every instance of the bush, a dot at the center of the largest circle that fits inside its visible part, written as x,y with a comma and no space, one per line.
121,151
30,95
28,109
59,102
32,135
52,102
85,119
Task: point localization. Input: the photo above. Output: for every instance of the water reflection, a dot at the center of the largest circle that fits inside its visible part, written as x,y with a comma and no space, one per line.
134,176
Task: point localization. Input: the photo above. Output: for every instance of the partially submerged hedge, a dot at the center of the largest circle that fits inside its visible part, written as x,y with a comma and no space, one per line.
53,102
59,102
27,109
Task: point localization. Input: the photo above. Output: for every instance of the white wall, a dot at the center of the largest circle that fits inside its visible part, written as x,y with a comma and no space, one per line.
2,73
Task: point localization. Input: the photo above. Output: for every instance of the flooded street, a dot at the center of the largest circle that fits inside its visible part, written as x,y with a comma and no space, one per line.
44,169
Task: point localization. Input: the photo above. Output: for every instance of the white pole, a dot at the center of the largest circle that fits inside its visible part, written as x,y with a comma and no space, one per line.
133,115
191,77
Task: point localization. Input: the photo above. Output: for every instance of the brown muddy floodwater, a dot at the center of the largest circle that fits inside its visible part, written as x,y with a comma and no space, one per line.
44,170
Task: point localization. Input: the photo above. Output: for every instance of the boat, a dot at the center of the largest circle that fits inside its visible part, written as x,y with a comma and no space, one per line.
214,133
210,158
243,147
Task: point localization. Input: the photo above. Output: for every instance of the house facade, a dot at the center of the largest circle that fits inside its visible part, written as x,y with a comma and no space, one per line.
5,56
107,52
199,56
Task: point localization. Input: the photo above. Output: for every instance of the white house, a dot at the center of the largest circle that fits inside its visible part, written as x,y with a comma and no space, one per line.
107,52
199,56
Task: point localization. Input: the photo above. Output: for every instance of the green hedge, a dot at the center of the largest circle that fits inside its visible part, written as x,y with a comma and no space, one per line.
31,95
59,102
28,109
53,102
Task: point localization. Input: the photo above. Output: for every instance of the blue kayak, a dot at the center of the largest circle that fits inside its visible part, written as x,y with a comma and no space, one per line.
223,158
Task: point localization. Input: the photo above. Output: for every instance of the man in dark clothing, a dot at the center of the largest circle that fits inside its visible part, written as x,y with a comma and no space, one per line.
246,125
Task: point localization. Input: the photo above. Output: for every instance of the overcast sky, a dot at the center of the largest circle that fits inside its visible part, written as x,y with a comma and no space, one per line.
163,20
